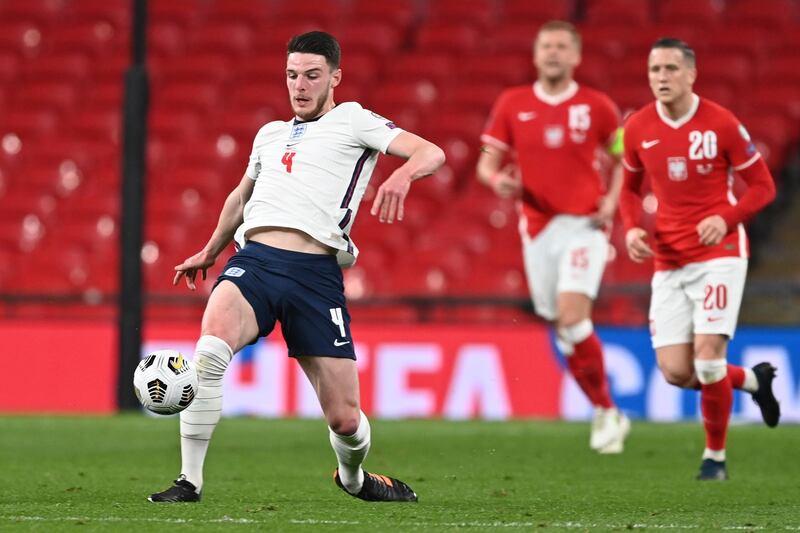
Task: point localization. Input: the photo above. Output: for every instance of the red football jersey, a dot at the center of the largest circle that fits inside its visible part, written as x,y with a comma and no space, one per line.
689,163
554,140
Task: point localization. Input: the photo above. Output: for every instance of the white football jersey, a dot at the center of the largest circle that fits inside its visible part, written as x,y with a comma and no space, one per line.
310,176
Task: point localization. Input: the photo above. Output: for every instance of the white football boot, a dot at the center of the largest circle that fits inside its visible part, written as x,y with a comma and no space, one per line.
609,430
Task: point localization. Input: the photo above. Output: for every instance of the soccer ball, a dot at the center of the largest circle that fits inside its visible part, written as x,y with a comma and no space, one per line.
165,382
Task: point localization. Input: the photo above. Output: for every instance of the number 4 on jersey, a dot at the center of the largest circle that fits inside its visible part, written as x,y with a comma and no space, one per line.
287,161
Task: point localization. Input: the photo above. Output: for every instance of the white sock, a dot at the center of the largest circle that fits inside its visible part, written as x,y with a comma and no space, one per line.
211,357
750,381
350,453
716,455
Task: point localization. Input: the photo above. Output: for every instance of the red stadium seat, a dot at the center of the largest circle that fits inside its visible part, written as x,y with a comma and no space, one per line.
181,12
42,12
319,14
57,66
476,97
781,69
409,94
117,13
107,94
24,37
56,95
196,96
207,67
9,66
514,37
239,11
368,36
618,12
28,123
766,15
165,39
96,38
701,13
231,38
435,67
400,13
536,13
720,92
97,124
448,37
630,97
745,40
733,69
175,126
472,12
504,68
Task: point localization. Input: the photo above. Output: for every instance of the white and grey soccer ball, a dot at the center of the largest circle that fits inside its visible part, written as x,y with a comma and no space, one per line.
165,382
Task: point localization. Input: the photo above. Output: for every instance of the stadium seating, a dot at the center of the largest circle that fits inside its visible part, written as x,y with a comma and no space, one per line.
436,67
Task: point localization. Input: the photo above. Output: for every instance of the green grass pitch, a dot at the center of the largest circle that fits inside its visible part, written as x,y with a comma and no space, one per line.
93,474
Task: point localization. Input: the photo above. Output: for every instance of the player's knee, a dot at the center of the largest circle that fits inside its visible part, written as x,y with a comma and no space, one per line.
710,370
346,422
678,376
577,332
211,357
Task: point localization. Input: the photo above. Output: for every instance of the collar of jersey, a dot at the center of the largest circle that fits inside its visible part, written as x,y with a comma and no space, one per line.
555,99
675,124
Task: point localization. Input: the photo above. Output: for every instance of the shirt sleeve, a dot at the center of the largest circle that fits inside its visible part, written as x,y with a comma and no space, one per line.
739,147
373,130
498,132
630,156
254,163
611,128
630,199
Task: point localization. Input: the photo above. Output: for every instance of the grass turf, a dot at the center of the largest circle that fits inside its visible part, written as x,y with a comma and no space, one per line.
63,473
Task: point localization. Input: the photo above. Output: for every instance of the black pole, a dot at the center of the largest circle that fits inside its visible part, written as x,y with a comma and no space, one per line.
132,205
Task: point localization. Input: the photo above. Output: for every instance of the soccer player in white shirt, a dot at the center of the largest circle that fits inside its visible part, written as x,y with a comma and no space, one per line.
293,209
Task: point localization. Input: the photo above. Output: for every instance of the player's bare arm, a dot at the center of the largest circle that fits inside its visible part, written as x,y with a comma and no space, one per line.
636,243
229,219
503,181
424,158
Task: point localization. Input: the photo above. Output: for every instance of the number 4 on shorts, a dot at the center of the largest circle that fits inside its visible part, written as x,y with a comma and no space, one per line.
336,316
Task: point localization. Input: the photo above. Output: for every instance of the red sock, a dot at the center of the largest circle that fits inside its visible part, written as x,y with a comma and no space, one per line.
716,401
586,366
736,373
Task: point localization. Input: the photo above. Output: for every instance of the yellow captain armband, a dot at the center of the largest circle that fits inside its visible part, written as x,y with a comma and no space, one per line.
616,146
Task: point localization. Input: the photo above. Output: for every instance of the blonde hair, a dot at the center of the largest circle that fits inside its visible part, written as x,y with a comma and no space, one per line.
560,25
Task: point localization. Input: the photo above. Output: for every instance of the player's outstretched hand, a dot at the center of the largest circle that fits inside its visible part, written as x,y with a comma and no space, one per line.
711,230
199,262
635,242
388,204
506,183
604,215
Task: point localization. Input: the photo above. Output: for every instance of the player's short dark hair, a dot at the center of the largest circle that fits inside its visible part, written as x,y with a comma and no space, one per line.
561,25
317,42
672,42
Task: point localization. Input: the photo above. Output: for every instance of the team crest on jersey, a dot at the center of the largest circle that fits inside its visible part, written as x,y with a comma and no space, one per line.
553,136
676,168
298,130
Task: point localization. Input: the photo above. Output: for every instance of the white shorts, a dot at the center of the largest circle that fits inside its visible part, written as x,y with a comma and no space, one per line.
698,298
568,255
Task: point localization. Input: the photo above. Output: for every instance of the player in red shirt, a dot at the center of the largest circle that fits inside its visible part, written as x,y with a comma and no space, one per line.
550,133
688,147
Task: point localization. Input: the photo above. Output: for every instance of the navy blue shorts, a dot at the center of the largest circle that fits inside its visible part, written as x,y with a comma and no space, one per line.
304,292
